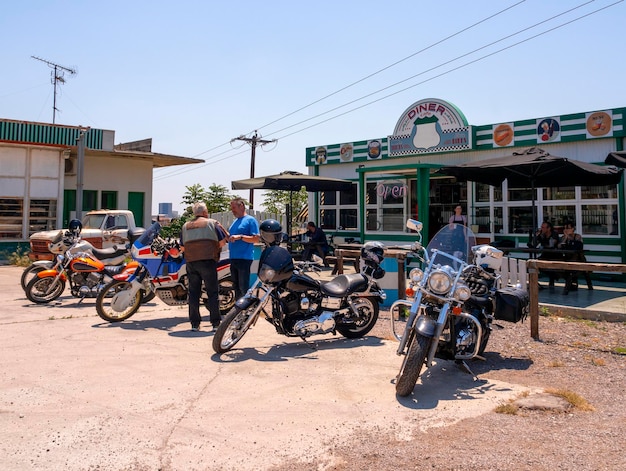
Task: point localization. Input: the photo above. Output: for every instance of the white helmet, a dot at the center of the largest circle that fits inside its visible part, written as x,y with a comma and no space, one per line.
487,256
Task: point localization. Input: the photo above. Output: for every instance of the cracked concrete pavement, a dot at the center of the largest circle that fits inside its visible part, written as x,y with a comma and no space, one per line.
79,393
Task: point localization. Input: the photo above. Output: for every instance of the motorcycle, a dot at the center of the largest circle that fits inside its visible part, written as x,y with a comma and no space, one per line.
298,305
86,268
456,297
161,268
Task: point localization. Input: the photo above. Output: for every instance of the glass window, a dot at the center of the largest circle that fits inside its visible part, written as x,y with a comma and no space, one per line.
482,220
599,219
498,224
43,215
393,219
349,196
328,218
370,193
11,212
371,220
482,193
520,220
90,200
109,200
328,198
559,193
559,215
348,218
598,192
520,194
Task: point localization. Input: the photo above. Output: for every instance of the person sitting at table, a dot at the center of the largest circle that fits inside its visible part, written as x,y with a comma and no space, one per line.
573,241
317,243
547,238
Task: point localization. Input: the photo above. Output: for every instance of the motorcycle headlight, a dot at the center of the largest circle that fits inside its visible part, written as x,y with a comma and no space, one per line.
462,292
416,275
439,282
267,274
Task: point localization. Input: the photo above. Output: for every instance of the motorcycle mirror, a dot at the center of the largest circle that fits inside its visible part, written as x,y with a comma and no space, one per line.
414,225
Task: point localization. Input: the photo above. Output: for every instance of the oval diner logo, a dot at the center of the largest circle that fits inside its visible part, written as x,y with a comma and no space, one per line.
446,115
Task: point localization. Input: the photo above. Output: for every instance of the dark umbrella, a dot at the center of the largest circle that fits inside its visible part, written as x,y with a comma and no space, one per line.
292,181
616,158
534,168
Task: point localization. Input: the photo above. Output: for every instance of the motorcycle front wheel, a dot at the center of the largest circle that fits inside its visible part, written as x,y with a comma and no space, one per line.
30,271
44,290
115,302
357,326
412,365
232,329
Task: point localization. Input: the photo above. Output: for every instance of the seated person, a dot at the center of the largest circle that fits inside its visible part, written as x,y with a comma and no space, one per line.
573,241
317,243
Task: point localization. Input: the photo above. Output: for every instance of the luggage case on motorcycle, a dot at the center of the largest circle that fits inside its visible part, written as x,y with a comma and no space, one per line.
512,304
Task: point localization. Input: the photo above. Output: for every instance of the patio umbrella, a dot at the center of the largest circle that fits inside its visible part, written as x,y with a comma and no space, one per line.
292,181
616,158
534,168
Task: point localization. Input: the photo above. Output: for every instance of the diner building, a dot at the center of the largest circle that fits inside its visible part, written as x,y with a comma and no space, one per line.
396,177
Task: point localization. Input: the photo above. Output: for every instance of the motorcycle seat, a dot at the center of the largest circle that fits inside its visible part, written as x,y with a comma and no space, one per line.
115,269
343,284
112,252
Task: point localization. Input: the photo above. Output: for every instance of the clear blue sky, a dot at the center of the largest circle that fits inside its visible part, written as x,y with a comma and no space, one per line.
192,75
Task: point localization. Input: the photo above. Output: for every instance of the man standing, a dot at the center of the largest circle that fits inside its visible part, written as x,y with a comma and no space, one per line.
203,239
244,233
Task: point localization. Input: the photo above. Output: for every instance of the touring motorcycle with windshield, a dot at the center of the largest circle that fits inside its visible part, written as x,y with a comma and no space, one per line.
456,296
299,305
159,267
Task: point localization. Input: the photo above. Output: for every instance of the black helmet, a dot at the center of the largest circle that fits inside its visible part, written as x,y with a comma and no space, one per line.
271,232
75,226
373,252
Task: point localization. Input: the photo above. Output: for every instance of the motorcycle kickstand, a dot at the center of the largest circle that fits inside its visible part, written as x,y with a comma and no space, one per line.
310,344
466,367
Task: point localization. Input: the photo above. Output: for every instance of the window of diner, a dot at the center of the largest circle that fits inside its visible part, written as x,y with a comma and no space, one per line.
339,210
482,219
598,192
599,219
386,201
520,220
559,215
520,194
11,213
559,193
482,193
328,218
42,215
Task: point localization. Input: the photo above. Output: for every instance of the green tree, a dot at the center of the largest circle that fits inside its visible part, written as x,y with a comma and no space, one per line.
216,198
276,201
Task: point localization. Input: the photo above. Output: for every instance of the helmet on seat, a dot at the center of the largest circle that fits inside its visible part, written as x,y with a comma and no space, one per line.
373,252
75,226
487,256
271,232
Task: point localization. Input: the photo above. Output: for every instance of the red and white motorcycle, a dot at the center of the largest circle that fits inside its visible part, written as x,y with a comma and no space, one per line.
161,266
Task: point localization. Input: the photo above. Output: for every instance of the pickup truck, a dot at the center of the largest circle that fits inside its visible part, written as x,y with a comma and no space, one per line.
102,228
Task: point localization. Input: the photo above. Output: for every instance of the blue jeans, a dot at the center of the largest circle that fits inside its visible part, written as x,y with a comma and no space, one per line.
240,273
203,271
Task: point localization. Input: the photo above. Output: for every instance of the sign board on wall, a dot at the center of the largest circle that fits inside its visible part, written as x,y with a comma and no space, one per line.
430,125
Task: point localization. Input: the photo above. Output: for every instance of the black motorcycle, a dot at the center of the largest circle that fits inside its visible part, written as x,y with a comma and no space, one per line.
298,305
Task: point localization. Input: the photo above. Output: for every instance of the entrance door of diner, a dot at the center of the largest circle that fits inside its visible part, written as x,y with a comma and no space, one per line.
445,194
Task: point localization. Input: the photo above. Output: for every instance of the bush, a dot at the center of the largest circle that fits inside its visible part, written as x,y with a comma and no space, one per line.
19,257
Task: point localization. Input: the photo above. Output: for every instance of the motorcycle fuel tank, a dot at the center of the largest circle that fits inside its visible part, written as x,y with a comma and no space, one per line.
302,283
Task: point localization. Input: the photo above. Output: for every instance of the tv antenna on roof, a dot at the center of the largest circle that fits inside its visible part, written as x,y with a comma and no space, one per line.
57,75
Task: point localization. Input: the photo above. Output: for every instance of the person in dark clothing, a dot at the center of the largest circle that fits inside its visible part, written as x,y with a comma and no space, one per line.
202,240
547,238
573,241
317,243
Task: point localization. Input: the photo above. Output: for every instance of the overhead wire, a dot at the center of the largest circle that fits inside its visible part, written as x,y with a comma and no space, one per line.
416,75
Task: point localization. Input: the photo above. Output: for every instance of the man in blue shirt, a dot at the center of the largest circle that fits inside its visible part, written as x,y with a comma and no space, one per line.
244,233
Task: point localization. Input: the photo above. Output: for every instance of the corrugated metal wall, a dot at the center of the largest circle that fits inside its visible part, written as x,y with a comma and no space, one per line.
18,131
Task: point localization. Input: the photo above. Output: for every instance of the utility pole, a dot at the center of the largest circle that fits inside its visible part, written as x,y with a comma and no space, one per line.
57,74
254,141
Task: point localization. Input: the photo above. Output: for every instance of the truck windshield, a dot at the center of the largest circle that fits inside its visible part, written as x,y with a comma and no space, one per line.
93,221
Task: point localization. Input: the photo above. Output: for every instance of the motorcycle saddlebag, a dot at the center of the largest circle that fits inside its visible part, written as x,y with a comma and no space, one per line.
512,304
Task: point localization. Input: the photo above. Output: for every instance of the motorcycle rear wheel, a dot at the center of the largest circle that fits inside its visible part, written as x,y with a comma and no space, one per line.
30,271
412,366
233,327
44,290
104,302
368,315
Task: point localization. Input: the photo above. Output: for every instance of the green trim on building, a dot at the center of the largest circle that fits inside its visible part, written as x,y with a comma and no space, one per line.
48,134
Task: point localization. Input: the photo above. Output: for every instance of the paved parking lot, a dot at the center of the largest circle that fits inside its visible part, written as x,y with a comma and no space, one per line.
78,393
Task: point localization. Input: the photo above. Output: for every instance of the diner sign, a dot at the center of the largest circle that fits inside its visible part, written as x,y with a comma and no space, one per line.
430,125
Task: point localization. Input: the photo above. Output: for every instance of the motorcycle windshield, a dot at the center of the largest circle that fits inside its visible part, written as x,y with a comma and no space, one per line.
148,236
454,239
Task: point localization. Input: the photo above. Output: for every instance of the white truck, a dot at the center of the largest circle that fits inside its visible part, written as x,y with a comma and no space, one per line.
102,228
